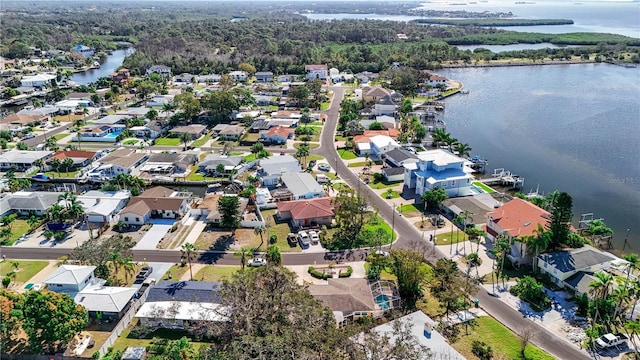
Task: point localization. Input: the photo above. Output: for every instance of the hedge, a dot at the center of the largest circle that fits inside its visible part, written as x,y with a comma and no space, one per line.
347,273
317,274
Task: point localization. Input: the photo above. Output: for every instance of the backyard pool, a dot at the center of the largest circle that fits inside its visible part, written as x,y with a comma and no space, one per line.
475,190
383,301
113,135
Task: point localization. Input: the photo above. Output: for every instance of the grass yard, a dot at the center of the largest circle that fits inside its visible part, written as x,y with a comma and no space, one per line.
502,341
357,164
193,175
130,142
347,154
26,269
315,157
390,194
175,272
251,137
325,105
484,187
409,210
59,137
447,238
281,229
512,275
252,157
384,274
373,226
124,340
202,140
383,184
19,227
62,174
167,141
215,272
310,145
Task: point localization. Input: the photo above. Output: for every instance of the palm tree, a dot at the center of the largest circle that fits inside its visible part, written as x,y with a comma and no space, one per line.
129,268
33,221
185,138
503,245
244,253
539,243
67,163
56,164
599,289
260,230
389,193
115,260
462,149
633,263
39,163
188,252
635,291
302,153
51,143
621,294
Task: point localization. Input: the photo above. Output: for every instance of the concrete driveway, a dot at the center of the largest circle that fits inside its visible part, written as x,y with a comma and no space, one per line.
151,239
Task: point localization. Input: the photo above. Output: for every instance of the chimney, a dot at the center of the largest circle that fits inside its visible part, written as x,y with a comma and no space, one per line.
428,329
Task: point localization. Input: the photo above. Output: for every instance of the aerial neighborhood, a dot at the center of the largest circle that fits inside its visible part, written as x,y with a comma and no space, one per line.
201,213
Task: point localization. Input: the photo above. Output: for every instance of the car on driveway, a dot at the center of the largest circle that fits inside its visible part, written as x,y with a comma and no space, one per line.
324,167
144,272
256,262
314,237
292,239
312,163
382,253
303,238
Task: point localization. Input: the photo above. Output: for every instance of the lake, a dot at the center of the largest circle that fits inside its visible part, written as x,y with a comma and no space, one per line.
573,128
512,47
113,62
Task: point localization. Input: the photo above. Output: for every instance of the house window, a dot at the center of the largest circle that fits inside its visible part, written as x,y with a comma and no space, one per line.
126,218
453,182
58,285
137,219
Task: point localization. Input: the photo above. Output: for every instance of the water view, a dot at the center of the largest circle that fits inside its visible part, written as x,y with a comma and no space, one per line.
513,47
568,127
112,62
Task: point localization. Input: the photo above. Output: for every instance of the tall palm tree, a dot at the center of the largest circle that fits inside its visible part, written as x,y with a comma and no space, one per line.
599,290
115,260
302,153
67,163
539,243
189,252
185,138
129,268
55,163
621,294
260,230
503,245
463,150
244,253
39,163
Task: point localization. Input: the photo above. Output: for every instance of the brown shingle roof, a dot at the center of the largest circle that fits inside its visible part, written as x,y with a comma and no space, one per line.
137,207
346,295
122,157
307,208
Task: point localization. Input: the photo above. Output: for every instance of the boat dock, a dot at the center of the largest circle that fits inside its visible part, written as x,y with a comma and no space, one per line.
505,178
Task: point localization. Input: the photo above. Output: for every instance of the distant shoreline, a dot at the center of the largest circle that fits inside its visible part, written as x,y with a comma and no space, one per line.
528,63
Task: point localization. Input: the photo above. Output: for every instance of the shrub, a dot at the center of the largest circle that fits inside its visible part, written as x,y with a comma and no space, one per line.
95,355
346,274
373,272
6,281
273,239
317,274
530,290
481,350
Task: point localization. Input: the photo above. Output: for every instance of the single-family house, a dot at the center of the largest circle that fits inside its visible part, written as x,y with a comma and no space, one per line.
307,212
392,174
166,164
120,77
135,111
438,169
382,144
185,78
23,119
385,106
37,81
161,70
232,132
83,50
156,202
209,78
563,265
352,298
71,279
240,76
210,164
375,93
22,160
366,76
276,135
264,76
112,120
106,302
271,169
80,158
120,161
518,218
208,208
160,100
150,130
264,100
99,133
313,72
102,207
195,130
399,157
69,106
422,329
433,80
31,202
302,185
171,304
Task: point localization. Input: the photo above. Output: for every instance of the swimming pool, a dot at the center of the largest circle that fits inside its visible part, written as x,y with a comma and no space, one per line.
475,190
383,301
113,135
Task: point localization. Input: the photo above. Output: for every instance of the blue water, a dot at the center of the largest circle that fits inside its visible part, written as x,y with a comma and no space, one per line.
113,135
475,190
383,301
111,64
574,128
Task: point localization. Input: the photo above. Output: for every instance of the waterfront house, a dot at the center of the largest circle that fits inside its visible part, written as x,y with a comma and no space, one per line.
307,212
29,202
120,161
80,159
22,160
156,202
23,120
161,70
276,135
83,50
313,72
99,133
373,94
210,163
194,130
240,76
208,208
102,207
71,279
382,144
563,265
166,164
173,304
271,169
438,169
399,157
120,77
302,185
264,76
37,81
386,105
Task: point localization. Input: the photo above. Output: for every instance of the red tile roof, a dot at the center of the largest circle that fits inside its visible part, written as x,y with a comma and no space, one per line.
76,154
392,133
279,130
519,217
307,208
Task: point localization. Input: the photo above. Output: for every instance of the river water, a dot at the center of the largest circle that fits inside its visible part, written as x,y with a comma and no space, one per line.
111,64
575,128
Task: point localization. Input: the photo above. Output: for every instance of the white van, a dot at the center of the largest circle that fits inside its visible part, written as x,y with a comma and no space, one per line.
322,178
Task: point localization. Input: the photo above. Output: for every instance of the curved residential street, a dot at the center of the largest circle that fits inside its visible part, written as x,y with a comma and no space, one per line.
408,237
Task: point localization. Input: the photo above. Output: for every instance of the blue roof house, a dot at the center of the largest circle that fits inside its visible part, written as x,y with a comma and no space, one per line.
439,169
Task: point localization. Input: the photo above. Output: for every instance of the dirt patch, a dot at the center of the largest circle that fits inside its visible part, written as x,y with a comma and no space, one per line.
135,232
226,240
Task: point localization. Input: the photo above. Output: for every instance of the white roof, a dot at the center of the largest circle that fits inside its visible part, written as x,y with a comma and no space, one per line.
301,183
23,156
39,77
104,207
105,298
439,157
70,274
438,345
96,194
183,310
381,141
410,166
276,165
365,146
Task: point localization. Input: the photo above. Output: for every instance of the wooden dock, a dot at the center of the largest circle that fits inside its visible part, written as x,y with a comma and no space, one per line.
505,178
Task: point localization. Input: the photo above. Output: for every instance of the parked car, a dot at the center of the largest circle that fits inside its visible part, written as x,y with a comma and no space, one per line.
312,163
292,239
324,167
382,253
303,238
314,237
28,136
144,272
256,262
608,340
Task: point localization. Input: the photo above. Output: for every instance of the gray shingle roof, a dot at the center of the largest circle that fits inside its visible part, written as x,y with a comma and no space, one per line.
577,259
399,155
192,291
32,201
390,171
70,274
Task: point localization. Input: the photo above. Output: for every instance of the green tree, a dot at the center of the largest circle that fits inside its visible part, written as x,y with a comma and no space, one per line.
302,153
67,163
51,320
463,150
273,255
561,208
228,208
248,68
300,94
260,230
447,285
185,138
407,266
181,349
189,253
351,210
221,104
434,197
189,104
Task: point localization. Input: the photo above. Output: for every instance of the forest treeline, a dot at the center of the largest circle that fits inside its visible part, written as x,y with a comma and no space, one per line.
202,38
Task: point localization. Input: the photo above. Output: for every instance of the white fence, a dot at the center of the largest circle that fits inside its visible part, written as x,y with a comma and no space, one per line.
123,323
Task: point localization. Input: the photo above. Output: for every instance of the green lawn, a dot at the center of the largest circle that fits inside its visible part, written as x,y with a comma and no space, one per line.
19,227
502,341
280,229
324,105
62,174
484,187
310,145
384,274
26,269
409,210
58,137
383,185
392,195
176,271
447,238
124,340
380,224
130,142
252,157
314,157
347,154
215,272
357,164
167,141
202,140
